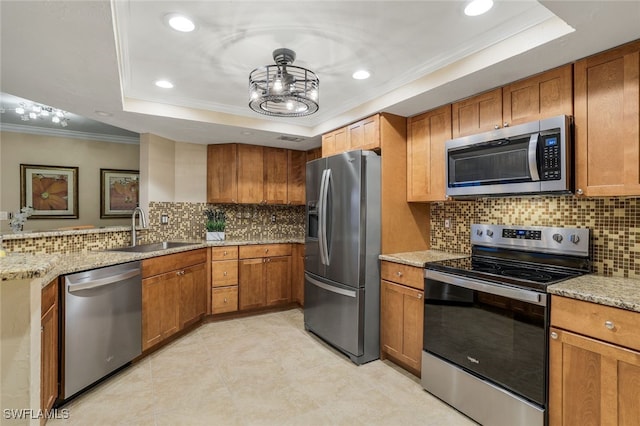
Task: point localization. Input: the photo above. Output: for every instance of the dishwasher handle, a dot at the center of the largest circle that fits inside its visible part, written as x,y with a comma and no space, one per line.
89,283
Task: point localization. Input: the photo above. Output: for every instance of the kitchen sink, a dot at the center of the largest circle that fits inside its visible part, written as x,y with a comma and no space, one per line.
144,248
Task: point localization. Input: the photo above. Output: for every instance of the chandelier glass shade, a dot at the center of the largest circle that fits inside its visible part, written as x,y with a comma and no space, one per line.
283,90
36,111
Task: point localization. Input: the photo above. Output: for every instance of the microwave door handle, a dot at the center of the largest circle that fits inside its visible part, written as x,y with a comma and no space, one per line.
533,157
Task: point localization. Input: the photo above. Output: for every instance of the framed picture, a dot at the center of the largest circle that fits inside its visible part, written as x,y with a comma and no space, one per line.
52,191
118,192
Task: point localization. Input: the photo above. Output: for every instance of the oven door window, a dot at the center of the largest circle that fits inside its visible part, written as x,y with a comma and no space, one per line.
497,338
501,161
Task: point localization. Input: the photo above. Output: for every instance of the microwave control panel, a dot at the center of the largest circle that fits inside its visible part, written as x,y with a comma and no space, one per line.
551,164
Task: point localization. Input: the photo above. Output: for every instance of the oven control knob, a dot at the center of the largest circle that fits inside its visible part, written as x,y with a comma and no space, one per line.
489,233
479,232
574,238
557,238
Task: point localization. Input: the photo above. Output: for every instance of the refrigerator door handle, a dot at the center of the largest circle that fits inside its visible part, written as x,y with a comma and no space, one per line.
321,218
324,217
348,293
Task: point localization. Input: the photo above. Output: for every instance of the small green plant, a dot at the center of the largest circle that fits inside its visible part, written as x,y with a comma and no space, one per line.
216,220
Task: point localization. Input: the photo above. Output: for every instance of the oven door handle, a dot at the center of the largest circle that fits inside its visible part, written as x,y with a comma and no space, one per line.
497,289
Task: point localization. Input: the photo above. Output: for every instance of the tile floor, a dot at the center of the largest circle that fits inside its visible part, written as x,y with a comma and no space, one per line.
260,370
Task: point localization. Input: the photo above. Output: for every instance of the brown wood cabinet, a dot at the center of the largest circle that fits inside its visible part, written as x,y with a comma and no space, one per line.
543,95
477,114
426,136
264,275
607,122
594,364
275,175
49,346
174,294
251,174
222,179
364,134
402,315
297,273
296,177
224,279
312,154
335,142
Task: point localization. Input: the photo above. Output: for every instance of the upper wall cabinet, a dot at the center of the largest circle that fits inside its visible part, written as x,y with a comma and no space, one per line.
335,142
544,95
296,175
250,174
222,178
275,175
363,134
607,122
426,135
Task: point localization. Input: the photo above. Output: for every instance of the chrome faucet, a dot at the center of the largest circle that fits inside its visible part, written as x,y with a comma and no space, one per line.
143,223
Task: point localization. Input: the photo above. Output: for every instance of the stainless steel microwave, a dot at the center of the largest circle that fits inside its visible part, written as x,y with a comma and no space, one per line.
530,158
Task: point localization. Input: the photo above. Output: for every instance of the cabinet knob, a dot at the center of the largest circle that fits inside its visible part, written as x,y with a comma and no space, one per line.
224,273
610,325
579,191
225,300
505,124
554,335
399,273
266,250
496,126
419,295
224,253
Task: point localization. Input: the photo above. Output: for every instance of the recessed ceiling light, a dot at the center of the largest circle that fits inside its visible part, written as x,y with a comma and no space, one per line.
181,23
164,84
361,75
478,7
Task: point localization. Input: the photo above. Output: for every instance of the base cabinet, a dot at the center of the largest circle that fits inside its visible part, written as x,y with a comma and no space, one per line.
160,295
297,274
49,346
224,279
402,315
193,294
264,276
594,364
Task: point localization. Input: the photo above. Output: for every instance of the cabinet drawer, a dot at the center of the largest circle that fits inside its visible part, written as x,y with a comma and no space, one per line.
224,253
264,250
224,273
225,299
606,323
402,274
172,262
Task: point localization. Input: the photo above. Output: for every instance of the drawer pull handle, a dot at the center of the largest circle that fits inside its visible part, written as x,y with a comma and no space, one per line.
225,300
419,295
224,273
266,250
224,253
610,325
554,335
399,273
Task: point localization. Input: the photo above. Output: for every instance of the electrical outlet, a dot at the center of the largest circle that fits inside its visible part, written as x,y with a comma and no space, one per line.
164,219
273,218
447,223
5,215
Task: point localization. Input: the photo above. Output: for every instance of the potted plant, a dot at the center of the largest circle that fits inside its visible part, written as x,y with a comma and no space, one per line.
216,222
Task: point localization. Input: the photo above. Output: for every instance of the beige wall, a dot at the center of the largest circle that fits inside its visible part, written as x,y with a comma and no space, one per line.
171,171
88,155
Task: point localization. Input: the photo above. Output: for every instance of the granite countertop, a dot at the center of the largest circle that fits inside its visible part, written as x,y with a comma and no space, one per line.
618,292
420,258
46,267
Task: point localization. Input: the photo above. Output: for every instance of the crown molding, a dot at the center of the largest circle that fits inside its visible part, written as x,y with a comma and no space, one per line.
44,131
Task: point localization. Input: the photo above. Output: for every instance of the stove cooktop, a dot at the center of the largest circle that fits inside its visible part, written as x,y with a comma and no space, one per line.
520,274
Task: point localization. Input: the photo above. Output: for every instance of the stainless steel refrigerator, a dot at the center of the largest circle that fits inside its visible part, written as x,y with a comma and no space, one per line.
342,270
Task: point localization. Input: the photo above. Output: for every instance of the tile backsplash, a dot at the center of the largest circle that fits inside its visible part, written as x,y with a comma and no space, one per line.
614,225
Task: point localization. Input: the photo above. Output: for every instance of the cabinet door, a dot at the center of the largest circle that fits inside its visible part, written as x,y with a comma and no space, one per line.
250,174
341,140
297,273
541,96
607,122
193,294
477,114
275,175
426,136
278,280
313,154
365,134
401,324
251,287
592,382
296,176
222,174
328,144
160,297
49,347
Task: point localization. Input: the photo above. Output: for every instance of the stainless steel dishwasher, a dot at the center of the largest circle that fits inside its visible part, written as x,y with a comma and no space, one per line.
102,324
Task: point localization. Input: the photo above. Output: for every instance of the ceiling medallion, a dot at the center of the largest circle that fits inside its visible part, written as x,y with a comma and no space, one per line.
283,90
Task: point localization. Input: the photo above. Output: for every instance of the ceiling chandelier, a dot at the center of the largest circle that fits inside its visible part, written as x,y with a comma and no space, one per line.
35,111
283,90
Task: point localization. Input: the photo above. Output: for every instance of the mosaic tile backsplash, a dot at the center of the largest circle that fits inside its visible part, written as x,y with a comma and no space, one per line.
614,225
66,244
244,222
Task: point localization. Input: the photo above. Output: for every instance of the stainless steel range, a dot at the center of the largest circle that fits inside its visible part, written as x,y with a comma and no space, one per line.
486,321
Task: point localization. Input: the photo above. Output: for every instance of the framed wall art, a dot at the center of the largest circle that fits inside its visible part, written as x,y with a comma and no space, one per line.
52,191
118,192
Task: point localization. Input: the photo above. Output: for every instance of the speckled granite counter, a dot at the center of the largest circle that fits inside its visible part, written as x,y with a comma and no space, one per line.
17,266
621,293
420,258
